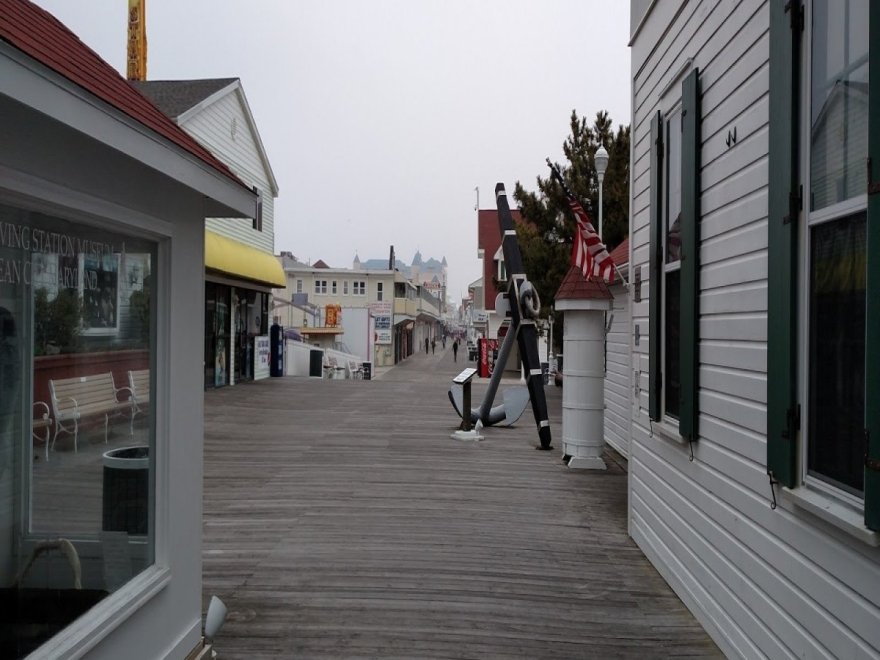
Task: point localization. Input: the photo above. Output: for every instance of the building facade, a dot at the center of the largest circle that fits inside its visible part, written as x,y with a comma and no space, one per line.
102,207
754,480
240,267
384,316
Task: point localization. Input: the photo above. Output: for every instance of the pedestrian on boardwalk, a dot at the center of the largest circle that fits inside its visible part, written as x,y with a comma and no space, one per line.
433,345
455,350
426,345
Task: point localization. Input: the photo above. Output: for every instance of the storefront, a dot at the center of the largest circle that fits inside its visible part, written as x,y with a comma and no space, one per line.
237,290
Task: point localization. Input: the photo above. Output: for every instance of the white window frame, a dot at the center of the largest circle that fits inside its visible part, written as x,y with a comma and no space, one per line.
359,288
320,287
379,291
344,287
299,286
833,497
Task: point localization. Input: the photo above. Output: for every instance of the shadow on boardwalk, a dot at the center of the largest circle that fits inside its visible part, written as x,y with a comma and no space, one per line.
341,520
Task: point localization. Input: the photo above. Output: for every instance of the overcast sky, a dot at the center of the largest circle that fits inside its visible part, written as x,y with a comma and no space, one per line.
380,117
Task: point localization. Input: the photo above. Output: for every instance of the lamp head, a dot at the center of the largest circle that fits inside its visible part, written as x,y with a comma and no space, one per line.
601,161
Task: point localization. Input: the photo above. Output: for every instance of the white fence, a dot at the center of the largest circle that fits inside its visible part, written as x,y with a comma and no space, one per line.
298,361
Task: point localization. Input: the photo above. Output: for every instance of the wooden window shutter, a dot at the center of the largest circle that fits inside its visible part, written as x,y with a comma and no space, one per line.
689,316
782,276
655,324
872,347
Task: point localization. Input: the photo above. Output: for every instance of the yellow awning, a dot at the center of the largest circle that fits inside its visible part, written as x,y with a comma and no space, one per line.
239,260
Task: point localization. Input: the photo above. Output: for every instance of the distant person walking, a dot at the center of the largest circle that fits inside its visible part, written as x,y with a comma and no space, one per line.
426,344
455,350
433,345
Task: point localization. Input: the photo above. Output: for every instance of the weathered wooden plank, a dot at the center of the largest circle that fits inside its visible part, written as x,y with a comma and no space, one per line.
342,520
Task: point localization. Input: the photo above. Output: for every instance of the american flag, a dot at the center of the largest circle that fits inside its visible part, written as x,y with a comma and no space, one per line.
588,252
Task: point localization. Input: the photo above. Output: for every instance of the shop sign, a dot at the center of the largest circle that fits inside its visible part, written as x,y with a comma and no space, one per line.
261,363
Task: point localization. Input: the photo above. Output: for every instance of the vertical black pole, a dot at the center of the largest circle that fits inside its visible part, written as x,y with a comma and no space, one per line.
527,336
466,405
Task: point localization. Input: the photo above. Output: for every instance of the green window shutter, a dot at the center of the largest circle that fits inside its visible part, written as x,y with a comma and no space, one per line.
655,324
782,274
872,347
689,316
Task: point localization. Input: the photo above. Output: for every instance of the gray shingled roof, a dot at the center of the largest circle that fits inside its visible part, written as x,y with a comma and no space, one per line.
174,97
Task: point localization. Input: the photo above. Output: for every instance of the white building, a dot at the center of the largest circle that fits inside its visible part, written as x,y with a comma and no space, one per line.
384,316
754,479
104,198
240,266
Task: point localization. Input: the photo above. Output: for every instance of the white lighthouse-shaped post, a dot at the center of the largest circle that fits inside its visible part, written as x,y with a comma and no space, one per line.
583,393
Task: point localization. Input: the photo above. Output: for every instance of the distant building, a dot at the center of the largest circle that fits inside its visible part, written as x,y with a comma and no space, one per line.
430,274
384,317
494,271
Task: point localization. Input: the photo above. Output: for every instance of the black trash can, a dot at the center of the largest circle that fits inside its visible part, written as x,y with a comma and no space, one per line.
368,370
316,363
126,490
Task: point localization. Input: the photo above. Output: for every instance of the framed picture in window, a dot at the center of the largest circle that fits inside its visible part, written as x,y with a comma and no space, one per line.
99,290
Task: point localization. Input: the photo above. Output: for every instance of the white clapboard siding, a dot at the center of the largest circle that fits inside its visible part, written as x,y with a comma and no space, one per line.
764,583
617,373
224,128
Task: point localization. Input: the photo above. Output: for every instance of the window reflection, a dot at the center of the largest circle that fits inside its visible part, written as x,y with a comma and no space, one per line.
839,101
76,421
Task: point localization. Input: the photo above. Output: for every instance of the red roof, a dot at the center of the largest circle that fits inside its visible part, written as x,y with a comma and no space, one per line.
41,36
320,264
620,254
575,287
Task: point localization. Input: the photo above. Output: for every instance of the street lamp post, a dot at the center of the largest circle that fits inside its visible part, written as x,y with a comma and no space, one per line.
601,161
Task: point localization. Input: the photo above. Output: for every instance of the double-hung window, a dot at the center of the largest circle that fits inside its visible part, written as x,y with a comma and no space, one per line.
673,337
823,255
359,288
344,287
320,287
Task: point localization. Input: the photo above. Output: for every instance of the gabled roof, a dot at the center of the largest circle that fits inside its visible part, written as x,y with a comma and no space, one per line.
45,39
320,263
174,97
183,99
576,287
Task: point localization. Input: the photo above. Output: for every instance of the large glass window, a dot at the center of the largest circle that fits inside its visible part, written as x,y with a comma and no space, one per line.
671,294
833,245
838,101
77,427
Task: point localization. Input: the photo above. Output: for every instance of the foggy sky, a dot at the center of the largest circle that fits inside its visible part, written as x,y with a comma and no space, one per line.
380,117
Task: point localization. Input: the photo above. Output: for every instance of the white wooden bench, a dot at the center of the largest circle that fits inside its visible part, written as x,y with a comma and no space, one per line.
81,397
41,424
332,368
139,384
355,370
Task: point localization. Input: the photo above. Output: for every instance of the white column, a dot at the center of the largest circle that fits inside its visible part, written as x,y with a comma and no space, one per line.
583,390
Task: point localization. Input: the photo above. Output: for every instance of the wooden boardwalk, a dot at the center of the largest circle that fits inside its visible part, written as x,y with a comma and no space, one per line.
342,521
